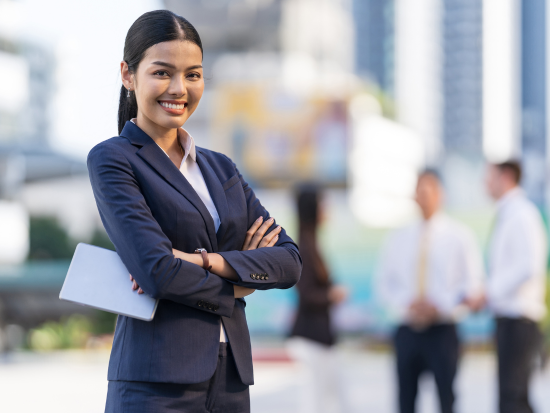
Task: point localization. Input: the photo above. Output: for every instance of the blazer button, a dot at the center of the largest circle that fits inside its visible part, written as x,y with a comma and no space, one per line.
253,276
200,303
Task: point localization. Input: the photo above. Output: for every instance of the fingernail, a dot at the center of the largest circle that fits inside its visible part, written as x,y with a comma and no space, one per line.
278,227
270,219
259,219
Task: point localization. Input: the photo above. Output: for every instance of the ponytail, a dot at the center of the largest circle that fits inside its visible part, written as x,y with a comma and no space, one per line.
149,29
127,108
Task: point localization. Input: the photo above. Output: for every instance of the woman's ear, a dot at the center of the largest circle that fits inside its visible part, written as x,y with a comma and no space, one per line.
126,76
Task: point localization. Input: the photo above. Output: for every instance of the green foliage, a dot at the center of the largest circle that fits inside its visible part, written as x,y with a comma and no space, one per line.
103,323
48,240
71,332
101,239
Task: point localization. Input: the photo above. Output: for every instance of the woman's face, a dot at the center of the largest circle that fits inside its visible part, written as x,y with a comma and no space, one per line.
168,84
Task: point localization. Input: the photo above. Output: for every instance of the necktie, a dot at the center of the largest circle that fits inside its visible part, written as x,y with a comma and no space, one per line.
422,268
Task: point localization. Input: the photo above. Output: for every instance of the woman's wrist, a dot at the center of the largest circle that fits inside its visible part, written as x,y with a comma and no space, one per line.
222,268
219,265
205,259
192,258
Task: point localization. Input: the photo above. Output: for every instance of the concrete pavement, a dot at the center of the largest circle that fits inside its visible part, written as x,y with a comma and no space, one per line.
75,381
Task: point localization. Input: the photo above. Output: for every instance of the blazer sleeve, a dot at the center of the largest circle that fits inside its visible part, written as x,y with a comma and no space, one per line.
142,245
265,268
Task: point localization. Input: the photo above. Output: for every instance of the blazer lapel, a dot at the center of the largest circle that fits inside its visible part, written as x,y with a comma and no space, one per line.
216,192
157,159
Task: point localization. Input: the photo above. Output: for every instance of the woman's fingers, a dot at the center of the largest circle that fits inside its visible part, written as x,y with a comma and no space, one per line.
135,285
256,238
260,234
266,241
250,233
273,242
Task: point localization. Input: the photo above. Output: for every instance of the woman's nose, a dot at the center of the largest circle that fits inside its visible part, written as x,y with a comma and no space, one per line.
177,88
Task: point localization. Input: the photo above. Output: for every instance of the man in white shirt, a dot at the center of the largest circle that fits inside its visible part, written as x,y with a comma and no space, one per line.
429,273
517,284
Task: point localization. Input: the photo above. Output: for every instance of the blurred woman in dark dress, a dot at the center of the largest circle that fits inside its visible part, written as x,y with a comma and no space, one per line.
312,336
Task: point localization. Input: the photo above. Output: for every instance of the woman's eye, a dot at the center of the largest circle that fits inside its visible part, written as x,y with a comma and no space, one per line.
161,73
194,75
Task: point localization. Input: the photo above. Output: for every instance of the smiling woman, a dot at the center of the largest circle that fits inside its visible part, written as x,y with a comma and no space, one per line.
190,231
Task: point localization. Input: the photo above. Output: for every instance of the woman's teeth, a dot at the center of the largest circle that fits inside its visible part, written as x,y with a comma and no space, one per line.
172,106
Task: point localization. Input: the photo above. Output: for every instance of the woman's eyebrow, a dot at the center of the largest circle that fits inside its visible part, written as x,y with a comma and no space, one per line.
171,66
159,63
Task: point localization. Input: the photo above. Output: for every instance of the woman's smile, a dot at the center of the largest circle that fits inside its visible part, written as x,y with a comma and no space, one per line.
174,107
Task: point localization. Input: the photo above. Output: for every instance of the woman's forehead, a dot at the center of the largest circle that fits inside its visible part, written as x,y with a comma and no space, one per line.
176,52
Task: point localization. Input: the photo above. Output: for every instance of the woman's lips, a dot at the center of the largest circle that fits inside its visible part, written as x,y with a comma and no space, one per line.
173,107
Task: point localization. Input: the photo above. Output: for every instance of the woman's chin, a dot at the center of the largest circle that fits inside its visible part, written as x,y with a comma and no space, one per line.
170,122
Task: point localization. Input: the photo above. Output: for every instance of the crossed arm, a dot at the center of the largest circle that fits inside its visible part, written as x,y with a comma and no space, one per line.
255,238
147,252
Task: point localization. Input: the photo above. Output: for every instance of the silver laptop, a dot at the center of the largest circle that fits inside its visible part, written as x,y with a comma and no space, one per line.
97,278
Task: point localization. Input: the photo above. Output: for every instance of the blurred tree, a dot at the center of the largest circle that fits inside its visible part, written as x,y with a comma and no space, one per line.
49,240
103,323
70,332
101,239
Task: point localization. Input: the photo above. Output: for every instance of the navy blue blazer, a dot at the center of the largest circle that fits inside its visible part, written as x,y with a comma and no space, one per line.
148,207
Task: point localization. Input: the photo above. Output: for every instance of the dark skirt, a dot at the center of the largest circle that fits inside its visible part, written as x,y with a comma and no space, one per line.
223,392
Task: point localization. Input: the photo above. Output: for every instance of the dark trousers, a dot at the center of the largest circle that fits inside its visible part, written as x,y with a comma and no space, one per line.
434,349
224,392
518,343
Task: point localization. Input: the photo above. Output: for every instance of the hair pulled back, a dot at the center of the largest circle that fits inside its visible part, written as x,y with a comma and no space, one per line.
308,198
307,202
148,30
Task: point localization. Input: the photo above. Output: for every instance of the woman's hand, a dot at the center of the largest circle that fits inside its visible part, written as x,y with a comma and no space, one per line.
241,292
256,238
135,285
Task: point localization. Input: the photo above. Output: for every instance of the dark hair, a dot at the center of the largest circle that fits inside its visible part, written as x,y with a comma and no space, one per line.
307,201
512,167
148,30
431,173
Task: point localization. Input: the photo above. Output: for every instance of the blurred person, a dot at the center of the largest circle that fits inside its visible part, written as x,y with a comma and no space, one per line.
429,274
517,284
312,336
190,231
